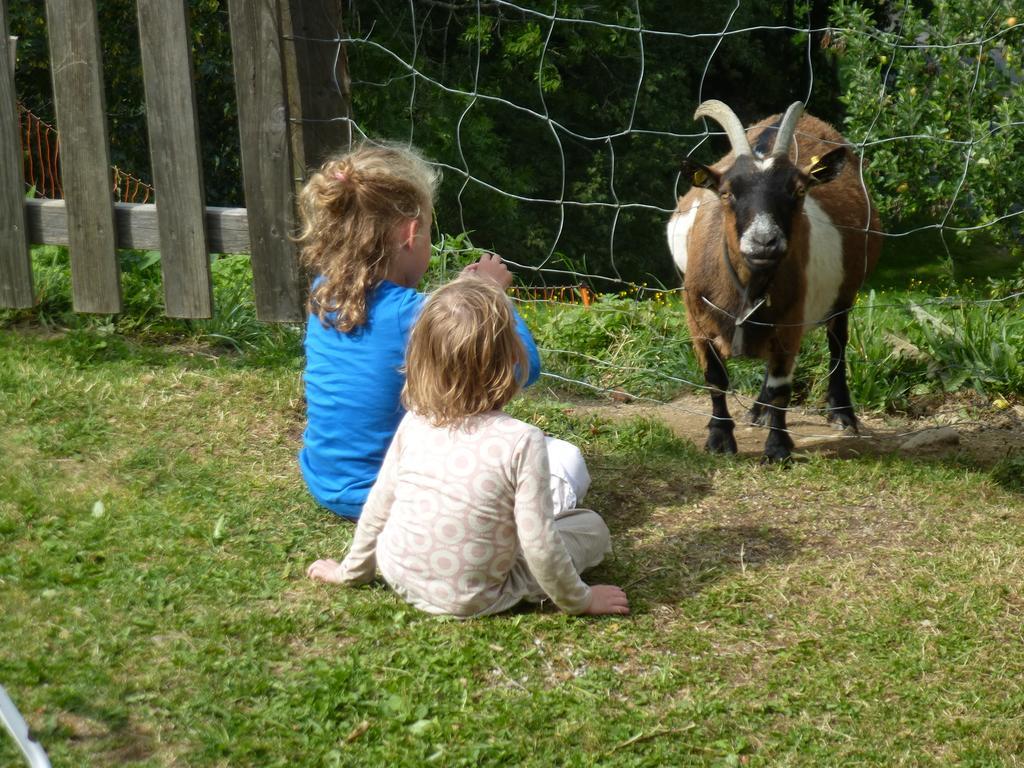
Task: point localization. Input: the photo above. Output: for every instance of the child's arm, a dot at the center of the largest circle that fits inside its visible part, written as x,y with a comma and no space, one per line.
531,349
360,565
491,266
546,555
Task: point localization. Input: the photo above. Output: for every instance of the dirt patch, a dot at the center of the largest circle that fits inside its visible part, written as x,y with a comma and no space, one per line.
970,425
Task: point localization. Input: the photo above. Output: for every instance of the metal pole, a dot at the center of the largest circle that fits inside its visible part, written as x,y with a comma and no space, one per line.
13,721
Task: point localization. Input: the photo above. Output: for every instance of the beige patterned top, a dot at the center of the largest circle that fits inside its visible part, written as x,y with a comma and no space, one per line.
454,510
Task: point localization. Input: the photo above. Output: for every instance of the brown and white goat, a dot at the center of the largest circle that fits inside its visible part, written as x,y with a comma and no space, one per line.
774,238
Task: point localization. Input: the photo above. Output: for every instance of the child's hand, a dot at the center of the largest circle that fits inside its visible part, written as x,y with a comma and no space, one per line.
607,599
325,570
491,266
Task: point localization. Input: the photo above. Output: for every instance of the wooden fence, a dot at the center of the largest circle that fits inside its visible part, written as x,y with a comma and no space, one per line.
287,70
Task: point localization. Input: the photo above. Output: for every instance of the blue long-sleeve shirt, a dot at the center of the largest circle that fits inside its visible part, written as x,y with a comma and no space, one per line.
353,388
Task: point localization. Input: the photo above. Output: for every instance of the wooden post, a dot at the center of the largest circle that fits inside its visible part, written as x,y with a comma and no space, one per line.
76,65
173,124
266,156
15,259
319,87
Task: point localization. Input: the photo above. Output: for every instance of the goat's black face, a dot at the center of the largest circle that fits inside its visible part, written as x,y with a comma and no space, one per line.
762,197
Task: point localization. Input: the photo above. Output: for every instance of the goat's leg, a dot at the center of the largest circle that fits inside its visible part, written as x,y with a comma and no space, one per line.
720,428
778,389
758,414
840,406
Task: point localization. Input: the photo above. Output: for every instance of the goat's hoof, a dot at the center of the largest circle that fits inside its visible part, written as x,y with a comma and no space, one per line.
843,420
776,456
777,447
720,442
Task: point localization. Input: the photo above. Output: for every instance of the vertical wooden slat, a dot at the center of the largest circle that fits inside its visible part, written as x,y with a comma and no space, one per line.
173,125
319,88
15,261
77,70
266,156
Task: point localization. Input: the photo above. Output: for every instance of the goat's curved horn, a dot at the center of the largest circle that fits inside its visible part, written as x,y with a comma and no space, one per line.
725,117
787,128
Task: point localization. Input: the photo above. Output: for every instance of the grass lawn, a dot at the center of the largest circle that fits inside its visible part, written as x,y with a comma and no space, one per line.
153,608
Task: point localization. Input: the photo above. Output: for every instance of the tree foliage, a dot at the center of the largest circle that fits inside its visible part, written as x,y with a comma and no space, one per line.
526,114
578,112
936,94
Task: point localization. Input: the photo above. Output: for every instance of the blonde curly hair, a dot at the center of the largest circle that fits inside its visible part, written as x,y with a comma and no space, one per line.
348,213
464,355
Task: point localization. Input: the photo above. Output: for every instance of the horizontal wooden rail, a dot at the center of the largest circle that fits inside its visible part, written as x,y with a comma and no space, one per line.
227,229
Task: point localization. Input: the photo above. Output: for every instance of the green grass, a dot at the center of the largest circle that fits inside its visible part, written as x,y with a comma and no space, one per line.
839,612
233,327
155,532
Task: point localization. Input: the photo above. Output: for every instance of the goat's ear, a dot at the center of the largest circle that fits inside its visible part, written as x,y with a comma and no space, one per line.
824,169
699,175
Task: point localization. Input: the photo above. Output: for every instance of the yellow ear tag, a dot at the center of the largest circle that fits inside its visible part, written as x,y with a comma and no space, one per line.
699,178
813,166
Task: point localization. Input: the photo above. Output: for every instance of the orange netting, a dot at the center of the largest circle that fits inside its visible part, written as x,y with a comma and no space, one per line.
128,188
40,148
563,294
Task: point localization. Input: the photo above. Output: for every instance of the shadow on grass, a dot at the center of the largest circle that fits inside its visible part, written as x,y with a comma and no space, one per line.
663,553
684,564
1009,473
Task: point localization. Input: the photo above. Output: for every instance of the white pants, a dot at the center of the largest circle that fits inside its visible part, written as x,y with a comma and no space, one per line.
587,540
585,536
583,532
570,479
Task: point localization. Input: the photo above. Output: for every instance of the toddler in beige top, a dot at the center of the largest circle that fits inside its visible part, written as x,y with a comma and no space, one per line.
461,520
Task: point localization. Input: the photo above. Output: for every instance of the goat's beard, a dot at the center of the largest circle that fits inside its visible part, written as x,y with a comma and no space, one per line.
759,283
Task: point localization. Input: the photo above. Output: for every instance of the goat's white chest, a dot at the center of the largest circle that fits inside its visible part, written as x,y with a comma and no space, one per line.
824,263
679,227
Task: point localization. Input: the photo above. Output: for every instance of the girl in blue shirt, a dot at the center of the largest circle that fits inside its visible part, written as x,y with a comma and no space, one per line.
366,220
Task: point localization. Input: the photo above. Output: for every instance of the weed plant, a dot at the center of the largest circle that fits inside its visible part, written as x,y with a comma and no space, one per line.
903,343
233,328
